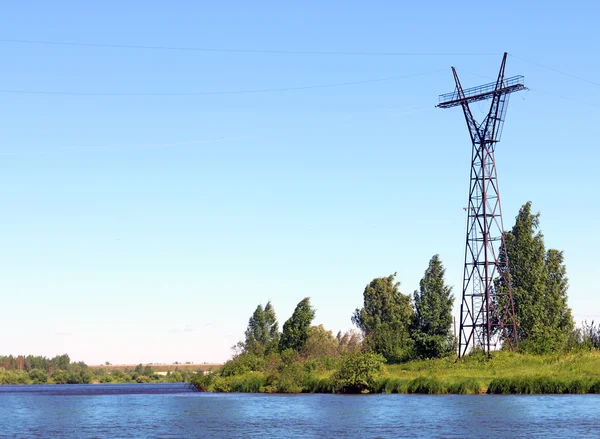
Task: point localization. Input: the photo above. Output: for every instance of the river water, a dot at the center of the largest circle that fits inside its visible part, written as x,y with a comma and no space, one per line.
173,411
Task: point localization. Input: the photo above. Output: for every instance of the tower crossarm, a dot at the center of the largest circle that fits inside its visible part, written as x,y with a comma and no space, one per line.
481,93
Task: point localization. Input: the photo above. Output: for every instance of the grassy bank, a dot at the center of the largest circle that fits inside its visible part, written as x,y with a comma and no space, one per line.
504,373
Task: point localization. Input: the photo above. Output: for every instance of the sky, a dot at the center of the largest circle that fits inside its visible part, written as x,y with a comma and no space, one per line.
152,198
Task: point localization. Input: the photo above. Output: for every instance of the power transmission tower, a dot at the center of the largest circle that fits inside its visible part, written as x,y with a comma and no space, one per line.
487,313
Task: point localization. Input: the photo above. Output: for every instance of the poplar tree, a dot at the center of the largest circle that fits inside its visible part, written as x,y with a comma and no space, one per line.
432,322
385,319
539,286
262,334
296,328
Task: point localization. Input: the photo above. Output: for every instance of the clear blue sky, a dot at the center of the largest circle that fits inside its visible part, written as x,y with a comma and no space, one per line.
148,228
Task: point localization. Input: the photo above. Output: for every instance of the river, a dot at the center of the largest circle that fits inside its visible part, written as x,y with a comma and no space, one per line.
173,411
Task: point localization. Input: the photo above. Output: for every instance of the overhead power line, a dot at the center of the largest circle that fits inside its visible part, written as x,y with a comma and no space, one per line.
208,93
266,51
557,71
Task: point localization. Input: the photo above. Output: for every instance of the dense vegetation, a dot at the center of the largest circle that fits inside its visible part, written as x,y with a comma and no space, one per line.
61,370
406,345
505,372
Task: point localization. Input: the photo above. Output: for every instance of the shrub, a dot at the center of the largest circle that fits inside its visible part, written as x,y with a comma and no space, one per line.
60,376
202,383
358,372
221,384
15,377
250,382
105,379
176,377
290,379
38,376
241,364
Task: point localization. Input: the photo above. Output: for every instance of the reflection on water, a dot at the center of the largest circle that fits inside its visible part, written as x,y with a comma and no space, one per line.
173,411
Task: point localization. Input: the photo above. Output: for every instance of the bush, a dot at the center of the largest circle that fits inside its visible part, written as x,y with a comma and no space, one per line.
250,382
142,379
176,377
105,379
202,383
15,377
60,376
221,384
242,364
100,371
38,376
290,379
358,372
80,377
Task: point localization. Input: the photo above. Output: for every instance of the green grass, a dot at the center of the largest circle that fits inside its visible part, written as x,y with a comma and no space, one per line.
504,373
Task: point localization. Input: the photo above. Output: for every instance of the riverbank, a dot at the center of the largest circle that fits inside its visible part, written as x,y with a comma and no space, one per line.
504,373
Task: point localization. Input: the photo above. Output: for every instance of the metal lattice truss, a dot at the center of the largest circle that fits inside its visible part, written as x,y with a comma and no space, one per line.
487,316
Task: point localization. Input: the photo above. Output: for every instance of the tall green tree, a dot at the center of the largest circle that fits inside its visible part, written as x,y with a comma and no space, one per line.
432,321
296,329
262,334
557,312
272,342
385,318
539,286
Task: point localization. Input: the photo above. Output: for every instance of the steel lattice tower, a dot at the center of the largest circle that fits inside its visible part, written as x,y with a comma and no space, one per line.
487,315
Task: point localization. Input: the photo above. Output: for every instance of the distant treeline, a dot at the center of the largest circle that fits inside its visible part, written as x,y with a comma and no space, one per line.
30,362
33,369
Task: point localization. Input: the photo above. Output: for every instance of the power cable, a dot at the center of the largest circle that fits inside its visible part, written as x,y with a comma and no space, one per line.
557,71
203,49
565,97
207,93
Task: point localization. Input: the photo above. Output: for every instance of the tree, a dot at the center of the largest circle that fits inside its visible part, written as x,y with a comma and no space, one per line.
262,334
385,319
432,322
38,376
148,371
349,342
296,328
60,376
559,314
539,286
320,343
272,341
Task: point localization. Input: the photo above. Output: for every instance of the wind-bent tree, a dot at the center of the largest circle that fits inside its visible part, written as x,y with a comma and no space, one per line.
262,334
385,318
432,322
296,328
539,282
